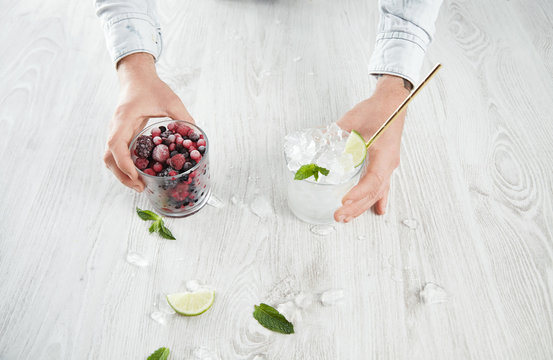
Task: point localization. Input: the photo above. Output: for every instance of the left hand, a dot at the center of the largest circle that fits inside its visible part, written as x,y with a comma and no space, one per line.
383,156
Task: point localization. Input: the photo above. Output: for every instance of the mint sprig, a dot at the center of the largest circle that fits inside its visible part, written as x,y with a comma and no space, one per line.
271,319
157,225
308,170
160,354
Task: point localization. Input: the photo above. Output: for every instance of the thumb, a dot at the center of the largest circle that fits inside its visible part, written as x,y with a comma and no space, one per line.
177,111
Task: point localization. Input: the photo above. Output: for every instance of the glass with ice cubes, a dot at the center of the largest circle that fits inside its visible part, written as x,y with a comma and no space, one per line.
316,201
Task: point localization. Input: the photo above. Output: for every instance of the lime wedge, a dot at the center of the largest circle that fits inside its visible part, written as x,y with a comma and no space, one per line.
355,146
191,303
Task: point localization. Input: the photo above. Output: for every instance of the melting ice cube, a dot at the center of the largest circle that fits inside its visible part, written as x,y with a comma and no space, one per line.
203,353
433,294
159,317
261,206
411,223
136,259
192,285
332,297
322,230
215,201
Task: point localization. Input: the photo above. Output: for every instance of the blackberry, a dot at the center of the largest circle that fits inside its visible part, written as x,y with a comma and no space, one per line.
144,146
194,137
165,172
162,128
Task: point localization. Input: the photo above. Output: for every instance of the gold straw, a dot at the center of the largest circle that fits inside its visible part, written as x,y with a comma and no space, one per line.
402,106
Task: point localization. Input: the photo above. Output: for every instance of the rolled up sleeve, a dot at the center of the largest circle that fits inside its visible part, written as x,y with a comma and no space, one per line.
405,31
130,27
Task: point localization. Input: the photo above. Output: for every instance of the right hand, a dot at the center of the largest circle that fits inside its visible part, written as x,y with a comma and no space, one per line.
142,95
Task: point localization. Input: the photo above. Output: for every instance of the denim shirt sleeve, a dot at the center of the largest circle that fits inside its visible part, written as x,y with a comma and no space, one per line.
405,30
130,26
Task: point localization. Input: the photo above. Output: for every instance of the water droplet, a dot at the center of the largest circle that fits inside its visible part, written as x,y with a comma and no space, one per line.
411,223
203,353
361,237
159,317
322,230
296,59
433,294
261,207
136,259
332,297
215,202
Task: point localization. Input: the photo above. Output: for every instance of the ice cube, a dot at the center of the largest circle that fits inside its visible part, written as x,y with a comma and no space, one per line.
332,297
303,300
203,353
433,294
159,317
290,311
215,201
322,230
261,207
193,285
136,259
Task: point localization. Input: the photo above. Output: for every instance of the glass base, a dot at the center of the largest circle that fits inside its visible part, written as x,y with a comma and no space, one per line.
186,212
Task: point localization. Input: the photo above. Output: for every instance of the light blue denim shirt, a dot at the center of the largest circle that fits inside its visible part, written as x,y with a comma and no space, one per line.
405,30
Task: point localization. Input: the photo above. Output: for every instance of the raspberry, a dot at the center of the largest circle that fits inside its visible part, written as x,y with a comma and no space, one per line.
160,153
144,146
157,167
177,161
157,140
193,136
150,172
201,142
182,129
141,163
156,132
195,155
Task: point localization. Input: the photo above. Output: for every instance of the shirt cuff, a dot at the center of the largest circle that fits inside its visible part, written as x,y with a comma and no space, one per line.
399,54
131,33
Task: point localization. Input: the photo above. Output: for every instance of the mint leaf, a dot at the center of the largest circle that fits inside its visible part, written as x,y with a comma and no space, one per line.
147,215
309,170
155,226
164,232
160,354
271,319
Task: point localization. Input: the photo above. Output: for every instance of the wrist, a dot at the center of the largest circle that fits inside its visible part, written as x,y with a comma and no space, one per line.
136,66
392,86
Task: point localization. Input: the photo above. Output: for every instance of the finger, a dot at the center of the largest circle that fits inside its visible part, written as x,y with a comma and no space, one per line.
380,206
123,178
352,210
177,111
122,156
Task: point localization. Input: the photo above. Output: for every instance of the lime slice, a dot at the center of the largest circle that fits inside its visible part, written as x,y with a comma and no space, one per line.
355,146
191,303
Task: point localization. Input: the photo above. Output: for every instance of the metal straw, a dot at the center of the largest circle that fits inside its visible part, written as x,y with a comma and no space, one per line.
402,106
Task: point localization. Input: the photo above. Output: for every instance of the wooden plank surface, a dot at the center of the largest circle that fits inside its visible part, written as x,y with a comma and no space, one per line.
475,178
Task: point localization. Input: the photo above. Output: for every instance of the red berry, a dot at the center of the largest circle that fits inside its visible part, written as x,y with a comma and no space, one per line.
157,140
201,142
156,132
180,192
177,161
182,129
160,153
187,143
150,172
171,126
141,163
179,140
173,173
157,167
195,155
172,146
171,138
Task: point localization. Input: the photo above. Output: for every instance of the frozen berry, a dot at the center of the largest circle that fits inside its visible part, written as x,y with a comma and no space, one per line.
172,173
180,192
201,149
187,143
172,146
201,142
156,132
182,129
160,153
174,152
187,166
150,172
162,128
166,171
171,138
157,140
195,155
157,167
144,146
141,163
193,136
185,153
177,161
166,134
171,126
179,140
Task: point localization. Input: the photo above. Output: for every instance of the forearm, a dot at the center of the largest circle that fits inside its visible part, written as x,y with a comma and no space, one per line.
130,26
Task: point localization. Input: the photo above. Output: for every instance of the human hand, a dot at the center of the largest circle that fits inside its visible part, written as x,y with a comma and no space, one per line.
142,95
383,156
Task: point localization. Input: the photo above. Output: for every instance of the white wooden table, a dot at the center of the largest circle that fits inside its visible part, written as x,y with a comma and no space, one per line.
476,175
